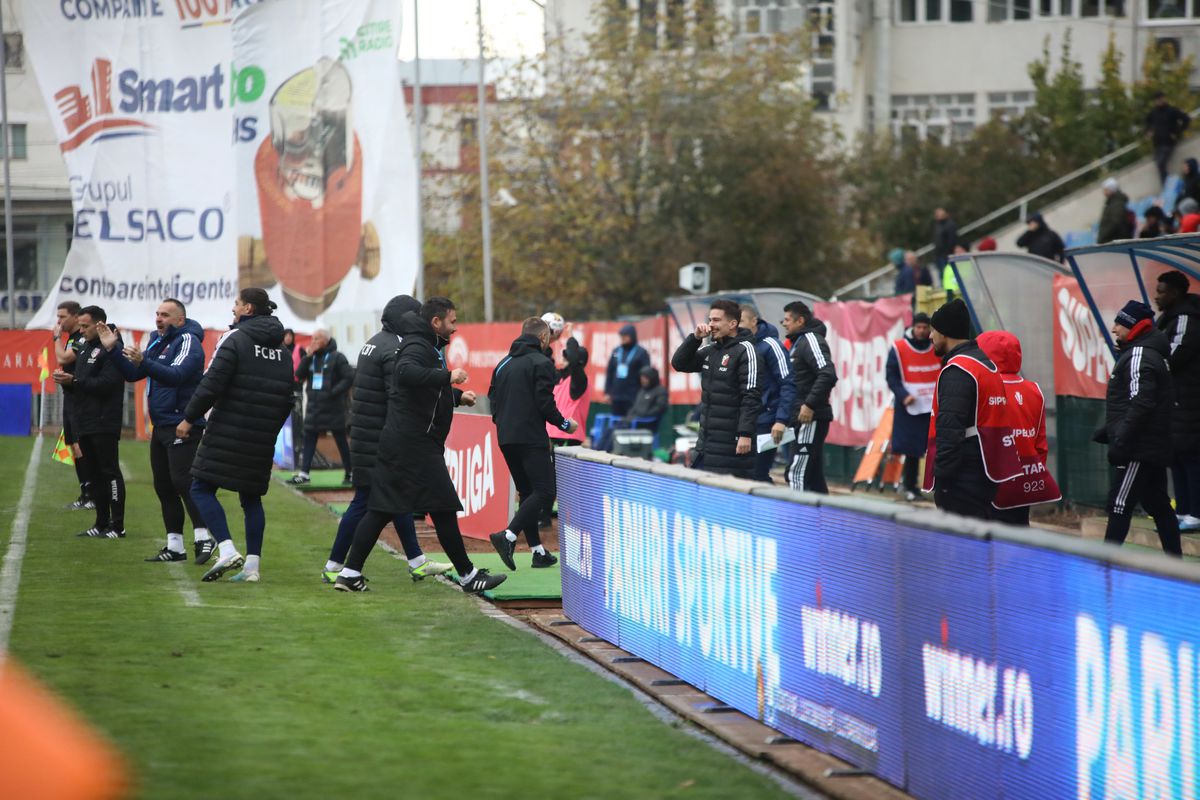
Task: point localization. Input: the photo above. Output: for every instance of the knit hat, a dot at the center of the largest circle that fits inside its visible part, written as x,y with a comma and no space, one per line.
953,320
1133,313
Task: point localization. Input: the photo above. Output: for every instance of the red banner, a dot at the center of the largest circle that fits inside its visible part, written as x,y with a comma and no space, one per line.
479,473
860,334
1082,360
20,358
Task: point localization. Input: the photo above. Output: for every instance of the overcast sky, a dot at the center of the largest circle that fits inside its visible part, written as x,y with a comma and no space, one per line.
511,28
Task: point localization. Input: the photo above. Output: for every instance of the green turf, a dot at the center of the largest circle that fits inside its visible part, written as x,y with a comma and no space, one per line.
288,689
339,509
524,584
321,480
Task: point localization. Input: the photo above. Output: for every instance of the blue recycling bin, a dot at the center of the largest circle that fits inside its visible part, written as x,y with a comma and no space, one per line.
16,409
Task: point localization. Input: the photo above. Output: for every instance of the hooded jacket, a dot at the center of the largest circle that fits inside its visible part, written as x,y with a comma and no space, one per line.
369,395
248,387
328,368
172,365
813,371
634,358
1138,404
778,388
421,399
730,398
1114,222
1181,325
1191,180
522,395
98,392
651,401
1042,241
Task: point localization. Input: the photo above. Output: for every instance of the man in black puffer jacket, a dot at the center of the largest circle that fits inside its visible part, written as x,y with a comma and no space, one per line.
327,378
814,376
97,402
1137,427
730,392
1180,321
410,475
368,409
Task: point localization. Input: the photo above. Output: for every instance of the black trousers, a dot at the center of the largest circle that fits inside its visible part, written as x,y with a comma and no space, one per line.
444,522
967,499
171,467
106,484
310,448
1012,516
1138,482
912,474
807,470
532,469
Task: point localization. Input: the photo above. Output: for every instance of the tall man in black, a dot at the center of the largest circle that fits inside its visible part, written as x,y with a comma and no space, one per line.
98,400
730,390
522,398
66,351
815,376
410,475
1165,125
1180,321
327,378
1137,427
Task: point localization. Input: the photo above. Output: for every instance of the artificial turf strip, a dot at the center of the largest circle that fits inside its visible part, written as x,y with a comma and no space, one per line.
524,584
287,688
339,509
320,480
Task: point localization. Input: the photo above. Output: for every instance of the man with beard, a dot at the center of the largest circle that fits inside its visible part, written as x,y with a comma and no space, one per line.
65,352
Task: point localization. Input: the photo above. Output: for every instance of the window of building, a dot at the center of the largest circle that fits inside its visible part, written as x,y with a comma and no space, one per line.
944,117
1023,10
962,10
16,140
935,10
14,51
822,83
1170,9
1009,105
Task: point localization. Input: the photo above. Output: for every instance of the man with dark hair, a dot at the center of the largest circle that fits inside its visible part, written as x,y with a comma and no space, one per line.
65,352
1165,124
522,398
1180,322
945,236
1137,427
172,365
730,390
411,475
778,388
814,376
97,404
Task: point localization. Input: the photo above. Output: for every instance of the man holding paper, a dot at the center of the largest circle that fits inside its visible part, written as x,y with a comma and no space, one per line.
912,370
778,391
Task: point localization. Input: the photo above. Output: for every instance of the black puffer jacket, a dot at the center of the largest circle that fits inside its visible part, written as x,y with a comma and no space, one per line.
812,370
326,407
248,386
368,398
522,395
420,398
730,398
958,468
1137,412
98,392
651,402
1181,325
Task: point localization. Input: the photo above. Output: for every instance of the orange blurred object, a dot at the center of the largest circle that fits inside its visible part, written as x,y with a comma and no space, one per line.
46,751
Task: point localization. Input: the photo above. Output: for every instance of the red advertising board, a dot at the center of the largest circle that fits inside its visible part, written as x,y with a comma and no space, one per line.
1082,360
20,357
479,473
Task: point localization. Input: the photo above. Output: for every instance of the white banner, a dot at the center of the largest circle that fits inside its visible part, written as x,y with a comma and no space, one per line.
213,145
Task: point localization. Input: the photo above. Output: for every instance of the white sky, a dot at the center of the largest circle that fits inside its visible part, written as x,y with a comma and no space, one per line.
511,28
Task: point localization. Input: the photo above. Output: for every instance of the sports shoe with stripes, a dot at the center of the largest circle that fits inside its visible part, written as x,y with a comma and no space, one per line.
429,569
505,548
223,565
91,533
166,554
102,533
204,550
356,584
482,582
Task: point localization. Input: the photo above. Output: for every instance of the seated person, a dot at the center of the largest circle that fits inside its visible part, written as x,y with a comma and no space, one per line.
650,403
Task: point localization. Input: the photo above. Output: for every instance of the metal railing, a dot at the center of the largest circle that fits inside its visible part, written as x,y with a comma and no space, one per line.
1021,203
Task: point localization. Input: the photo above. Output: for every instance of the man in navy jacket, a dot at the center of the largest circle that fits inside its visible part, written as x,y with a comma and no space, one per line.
778,388
172,364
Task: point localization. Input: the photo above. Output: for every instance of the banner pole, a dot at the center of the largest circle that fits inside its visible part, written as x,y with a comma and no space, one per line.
417,113
8,242
485,199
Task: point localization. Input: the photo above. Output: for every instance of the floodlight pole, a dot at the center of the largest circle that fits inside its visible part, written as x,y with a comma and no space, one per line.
485,199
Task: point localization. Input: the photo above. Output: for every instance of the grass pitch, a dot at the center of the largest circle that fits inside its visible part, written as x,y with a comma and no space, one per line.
287,689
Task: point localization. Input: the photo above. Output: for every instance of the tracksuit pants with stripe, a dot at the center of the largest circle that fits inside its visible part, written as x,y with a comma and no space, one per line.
807,471
1138,482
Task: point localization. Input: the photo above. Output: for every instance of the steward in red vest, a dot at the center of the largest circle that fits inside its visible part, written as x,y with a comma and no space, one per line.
1035,484
912,370
971,448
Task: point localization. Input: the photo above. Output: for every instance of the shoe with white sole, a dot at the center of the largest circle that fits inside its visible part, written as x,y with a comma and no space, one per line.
203,548
223,565
429,569
1189,523
167,554
482,582
245,576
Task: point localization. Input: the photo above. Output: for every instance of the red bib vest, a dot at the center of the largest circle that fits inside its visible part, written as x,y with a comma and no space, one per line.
1035,484
994,424
919,372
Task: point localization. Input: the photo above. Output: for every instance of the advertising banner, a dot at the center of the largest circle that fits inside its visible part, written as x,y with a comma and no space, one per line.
215,145
1082,360
479,473
22,355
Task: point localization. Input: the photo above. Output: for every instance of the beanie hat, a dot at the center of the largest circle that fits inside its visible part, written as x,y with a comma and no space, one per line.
1133,313
953,320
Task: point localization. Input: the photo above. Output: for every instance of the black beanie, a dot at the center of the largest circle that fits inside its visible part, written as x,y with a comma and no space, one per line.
1133,313
953,320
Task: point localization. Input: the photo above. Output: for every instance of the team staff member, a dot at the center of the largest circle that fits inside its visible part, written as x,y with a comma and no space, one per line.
912,370
971,448
778,388
98,399
248,388
730,390
327,378
522,399
172,366
1180,321
815,376
624,366
1137,427
65,352
368,408
410,475
1035,484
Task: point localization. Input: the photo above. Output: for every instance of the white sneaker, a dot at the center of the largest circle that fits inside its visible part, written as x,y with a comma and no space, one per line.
245,576
1189,523
429,569
223,565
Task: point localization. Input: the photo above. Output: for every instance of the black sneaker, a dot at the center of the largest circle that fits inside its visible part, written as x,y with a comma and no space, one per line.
81,503
102,533
91,533
347,479
545,520
344,584
113,533
505,548
299,480
542,560
483,581
204,550
168,555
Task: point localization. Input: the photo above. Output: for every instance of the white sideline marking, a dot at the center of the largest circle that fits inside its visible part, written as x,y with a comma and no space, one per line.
10,574
125,473
191,597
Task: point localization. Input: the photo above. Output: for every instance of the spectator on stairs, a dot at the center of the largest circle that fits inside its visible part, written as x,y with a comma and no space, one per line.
1189,215
945,236
1040,240
912,275
1165,125
1114,221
